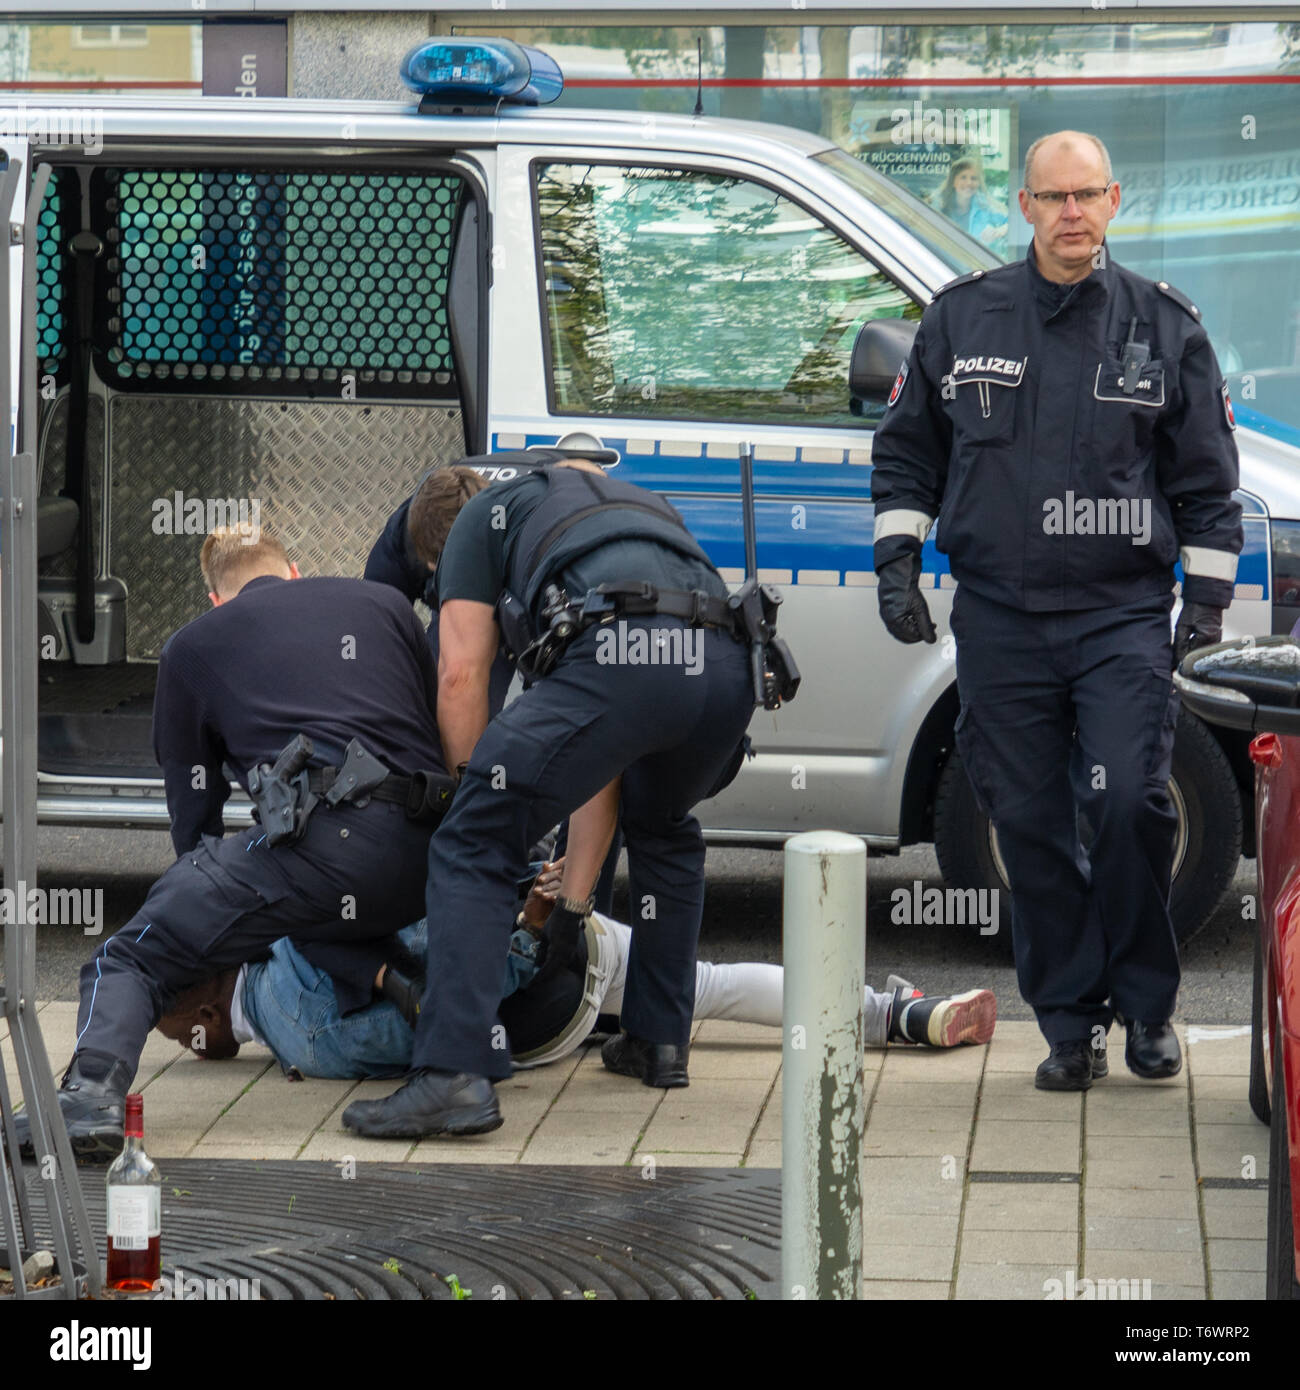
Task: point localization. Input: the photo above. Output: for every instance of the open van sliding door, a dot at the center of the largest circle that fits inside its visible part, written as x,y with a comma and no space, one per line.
69,1221
280,340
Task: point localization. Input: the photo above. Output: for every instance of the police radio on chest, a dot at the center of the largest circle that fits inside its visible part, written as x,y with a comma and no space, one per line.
1134,356
776,676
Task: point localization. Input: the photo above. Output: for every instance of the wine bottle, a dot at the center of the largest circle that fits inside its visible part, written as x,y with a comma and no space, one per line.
134,1210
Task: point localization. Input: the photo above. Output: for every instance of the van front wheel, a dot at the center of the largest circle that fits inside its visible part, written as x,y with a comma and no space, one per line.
1207,846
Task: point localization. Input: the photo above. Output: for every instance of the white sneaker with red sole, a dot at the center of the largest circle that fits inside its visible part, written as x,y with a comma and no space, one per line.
940,1020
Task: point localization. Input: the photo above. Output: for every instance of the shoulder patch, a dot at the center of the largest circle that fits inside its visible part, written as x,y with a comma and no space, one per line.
1179,298
960,280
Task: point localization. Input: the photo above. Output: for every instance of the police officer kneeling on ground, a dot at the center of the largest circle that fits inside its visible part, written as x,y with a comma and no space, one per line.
624,625
319,693
1067,422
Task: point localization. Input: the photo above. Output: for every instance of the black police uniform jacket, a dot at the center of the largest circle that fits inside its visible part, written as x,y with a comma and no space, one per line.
1054,487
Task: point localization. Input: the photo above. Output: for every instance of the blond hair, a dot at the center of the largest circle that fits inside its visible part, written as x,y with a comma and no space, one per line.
229,559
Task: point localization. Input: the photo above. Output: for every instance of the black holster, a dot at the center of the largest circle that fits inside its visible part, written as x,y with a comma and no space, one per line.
282,793
776,677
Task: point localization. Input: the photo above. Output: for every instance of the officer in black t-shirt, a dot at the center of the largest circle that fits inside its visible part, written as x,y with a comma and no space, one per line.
645,680
337,660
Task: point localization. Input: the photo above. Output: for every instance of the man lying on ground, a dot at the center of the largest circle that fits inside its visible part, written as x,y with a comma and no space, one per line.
290,1006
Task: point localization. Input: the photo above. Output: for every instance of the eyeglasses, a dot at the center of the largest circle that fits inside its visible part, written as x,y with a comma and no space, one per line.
1053,198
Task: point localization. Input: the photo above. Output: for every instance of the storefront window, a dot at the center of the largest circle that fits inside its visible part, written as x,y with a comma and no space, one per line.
1201,118
119,57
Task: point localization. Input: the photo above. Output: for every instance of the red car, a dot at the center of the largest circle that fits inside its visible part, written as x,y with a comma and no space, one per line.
1254,684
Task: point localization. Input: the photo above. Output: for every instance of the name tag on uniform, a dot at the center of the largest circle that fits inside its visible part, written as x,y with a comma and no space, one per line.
984,370
1003,371
1149,389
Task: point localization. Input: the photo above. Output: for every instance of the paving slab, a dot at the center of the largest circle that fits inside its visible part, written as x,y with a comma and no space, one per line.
1029,1281
1237,1285
1182,1267
1142,1233
907,1261
1021,1207
904,1288
1232,1151
1243,1256
1026,1146
1240,1212
1127,1202
1018,1247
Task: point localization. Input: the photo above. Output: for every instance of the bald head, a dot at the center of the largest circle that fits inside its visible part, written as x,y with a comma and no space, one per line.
1069,198
1067,140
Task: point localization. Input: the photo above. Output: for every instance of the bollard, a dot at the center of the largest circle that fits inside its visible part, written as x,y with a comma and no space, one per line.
823,1105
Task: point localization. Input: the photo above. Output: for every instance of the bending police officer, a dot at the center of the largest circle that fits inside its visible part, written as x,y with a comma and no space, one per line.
659,691
342,662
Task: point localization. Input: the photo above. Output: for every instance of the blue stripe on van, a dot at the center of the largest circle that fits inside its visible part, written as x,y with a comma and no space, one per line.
829,527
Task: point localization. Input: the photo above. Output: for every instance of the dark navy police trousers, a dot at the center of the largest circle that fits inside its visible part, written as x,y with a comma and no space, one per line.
357,873
1067,715
672,731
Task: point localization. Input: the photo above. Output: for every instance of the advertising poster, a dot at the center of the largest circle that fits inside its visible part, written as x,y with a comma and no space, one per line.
959,159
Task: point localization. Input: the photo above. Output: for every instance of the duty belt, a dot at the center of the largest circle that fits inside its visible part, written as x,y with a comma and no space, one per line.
626,598
420,795
635,599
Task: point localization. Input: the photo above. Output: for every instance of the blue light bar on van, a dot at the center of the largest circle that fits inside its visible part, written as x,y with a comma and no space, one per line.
481,72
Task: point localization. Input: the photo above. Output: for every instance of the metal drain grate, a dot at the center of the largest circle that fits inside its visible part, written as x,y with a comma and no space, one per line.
395,1231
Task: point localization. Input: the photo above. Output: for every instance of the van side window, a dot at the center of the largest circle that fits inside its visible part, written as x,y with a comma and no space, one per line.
245,280
690,295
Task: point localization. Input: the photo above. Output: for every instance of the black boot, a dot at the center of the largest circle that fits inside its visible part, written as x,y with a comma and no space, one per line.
654,1064
1072,1066
431,1102
93,1106
1152,1049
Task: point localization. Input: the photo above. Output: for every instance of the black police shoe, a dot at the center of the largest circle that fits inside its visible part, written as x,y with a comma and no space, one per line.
1072,1066
94,1111
431,1102
1152,1049
655,1064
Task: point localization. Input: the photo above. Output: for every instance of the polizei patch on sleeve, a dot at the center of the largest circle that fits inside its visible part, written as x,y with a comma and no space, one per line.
1228,413
899,381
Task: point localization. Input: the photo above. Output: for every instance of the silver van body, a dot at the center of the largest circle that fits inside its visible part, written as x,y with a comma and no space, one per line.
328,458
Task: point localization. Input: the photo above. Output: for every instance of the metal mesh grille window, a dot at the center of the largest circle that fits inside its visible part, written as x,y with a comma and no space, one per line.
296,282
49,287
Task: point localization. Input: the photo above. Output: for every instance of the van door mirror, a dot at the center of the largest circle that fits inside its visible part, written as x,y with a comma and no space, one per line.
879,350
1249,683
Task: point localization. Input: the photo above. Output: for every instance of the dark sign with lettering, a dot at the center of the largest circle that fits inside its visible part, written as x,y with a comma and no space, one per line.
245,60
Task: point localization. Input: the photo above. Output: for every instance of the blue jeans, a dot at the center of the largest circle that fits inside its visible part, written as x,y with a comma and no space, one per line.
292,1006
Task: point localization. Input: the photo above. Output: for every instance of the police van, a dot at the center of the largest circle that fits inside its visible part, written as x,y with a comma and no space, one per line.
282,313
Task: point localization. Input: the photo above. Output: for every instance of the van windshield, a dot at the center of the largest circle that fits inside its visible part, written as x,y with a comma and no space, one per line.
962,253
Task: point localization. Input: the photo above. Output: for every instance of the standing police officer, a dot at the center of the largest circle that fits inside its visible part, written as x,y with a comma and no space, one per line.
341,661
1067,422
639,675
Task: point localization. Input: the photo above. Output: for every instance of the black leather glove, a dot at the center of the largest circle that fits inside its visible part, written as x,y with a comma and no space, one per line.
560,936
1198,625
902,608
